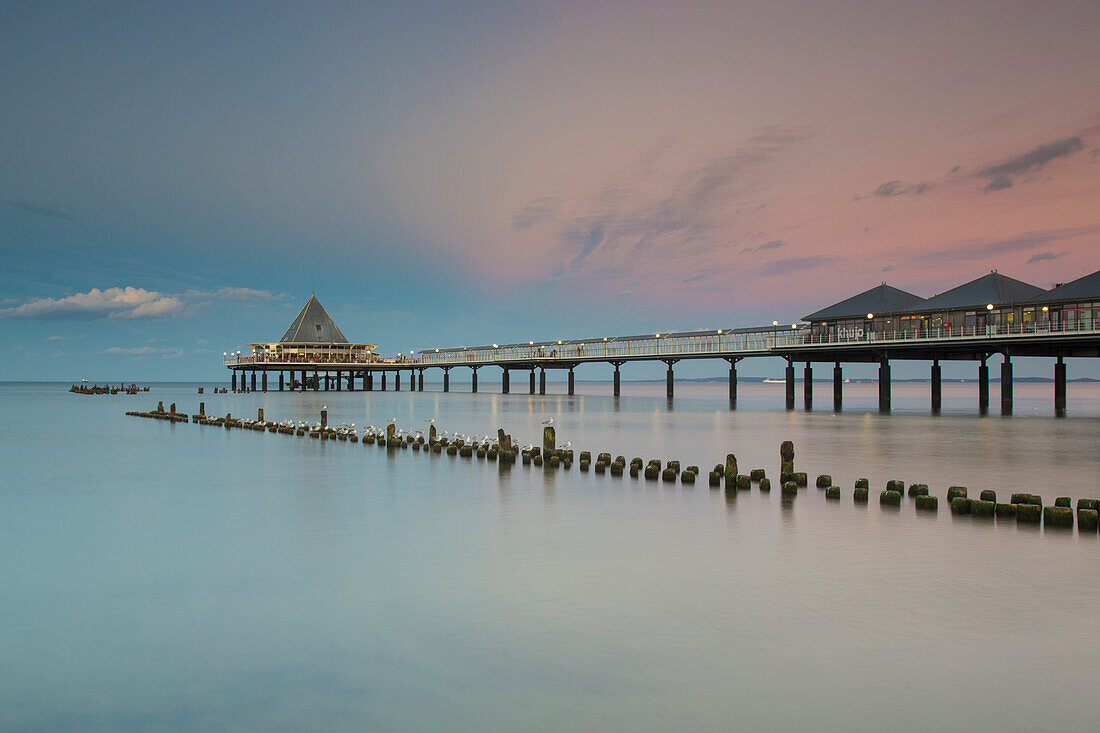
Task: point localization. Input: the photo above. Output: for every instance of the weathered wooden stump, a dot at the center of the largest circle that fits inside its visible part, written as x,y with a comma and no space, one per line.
926,503
890,498
956,492
1060,517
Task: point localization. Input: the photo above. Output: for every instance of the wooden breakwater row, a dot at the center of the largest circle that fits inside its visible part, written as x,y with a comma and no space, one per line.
106,389
1023,508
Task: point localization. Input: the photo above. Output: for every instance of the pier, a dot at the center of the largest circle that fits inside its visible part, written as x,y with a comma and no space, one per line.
990,316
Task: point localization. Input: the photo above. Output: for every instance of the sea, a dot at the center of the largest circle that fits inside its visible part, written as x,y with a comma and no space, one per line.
178,577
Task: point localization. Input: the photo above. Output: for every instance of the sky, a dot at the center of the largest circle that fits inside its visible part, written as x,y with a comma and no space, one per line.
178,177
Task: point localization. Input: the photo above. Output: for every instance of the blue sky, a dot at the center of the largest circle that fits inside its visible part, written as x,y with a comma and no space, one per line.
178,177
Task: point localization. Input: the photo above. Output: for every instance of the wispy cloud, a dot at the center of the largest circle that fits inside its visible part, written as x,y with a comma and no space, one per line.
997,176
47,211
142,351
646,214
964,250
1002,175
56,338
794,264
774,244
127,302
1044,256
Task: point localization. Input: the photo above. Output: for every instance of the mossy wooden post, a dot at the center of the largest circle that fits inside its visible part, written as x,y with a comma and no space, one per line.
431,433
324,422
202,409
260,414
172,409
391,429
786,460
731,467
548,439
160,407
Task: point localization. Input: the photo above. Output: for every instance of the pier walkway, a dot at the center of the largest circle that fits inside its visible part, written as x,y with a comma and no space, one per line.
796,343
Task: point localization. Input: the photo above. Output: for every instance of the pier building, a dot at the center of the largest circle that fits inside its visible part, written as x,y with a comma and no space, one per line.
991,315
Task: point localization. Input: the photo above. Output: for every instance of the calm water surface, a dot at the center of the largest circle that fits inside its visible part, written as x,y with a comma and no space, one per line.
179,578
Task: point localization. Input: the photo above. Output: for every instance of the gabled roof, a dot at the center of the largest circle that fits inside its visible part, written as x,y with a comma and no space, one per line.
313,326
879,299
992,288
1083,288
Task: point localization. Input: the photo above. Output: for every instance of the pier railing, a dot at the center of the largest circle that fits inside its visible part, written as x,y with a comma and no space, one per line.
764,341
747,342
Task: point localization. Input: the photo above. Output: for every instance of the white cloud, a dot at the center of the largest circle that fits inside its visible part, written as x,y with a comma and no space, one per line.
127,302
142,351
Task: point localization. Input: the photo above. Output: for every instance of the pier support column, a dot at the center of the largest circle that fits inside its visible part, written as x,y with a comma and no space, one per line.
838,387
669,379
937,386
505,387
384,381
253,380
473,379
884,385
263,382
983,387
542,381
570,380
420,381
788,378
280,381
446,379
1060,386
339,381
316,381
733,380
327,380
369,382
532,381
1006,386
808,386
397,380
234,380
615,382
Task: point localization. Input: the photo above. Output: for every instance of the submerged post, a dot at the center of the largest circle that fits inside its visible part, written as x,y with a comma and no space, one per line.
983,387
808,386
788,378
324,419
937,386
786,460
1006,386
548,440
884,385
838,387
1060,385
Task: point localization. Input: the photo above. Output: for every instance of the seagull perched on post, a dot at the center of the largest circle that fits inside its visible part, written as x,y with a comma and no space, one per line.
548,421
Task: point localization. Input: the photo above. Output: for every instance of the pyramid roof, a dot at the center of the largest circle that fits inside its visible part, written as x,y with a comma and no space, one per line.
879,299
993,288
313,325
1083,288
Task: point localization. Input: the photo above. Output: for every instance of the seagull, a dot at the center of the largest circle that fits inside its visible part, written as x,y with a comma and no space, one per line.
548,421
432,420
567,445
